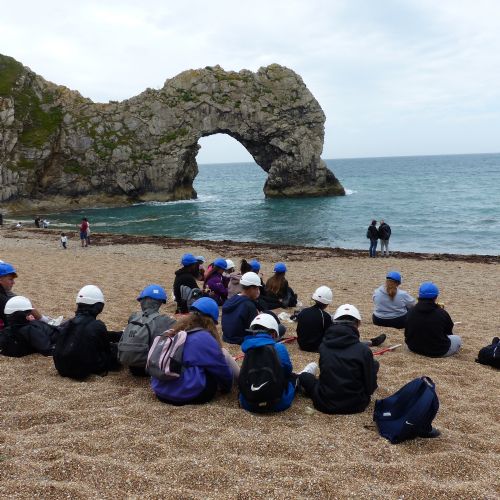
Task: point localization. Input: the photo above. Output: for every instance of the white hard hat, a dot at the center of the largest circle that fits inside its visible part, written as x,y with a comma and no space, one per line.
265,320
347,310
89,294
323,294
250,279
16,304
230,264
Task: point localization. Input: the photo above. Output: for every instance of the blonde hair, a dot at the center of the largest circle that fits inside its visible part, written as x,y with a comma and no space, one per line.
391,287
197,320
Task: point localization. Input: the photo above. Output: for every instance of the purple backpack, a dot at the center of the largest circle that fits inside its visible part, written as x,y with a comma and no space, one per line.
165,356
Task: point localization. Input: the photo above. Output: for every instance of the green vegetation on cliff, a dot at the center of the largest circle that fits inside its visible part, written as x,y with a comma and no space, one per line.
10,71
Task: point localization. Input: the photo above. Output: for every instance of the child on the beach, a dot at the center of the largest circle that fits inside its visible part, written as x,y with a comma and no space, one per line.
266,380
206,366
348,375
64,241
312,322
278,291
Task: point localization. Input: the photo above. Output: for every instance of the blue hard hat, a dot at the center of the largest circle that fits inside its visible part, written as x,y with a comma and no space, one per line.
207,307
255,265
6,269
394,276
428,290
188,259
220,263
280,267
153,292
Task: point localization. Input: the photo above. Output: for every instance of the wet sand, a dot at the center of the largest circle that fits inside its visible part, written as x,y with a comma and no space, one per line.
108,437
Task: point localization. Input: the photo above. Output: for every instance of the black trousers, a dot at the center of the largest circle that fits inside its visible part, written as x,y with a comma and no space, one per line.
398,323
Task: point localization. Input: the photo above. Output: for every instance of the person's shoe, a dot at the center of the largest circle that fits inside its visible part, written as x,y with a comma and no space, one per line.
376,341
495,340
311,368
433,433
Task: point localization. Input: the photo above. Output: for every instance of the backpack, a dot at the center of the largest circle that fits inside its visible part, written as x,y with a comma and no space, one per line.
165,356
13,345
262,380
190,294
490,355
75,354
290,298
136,340
409,412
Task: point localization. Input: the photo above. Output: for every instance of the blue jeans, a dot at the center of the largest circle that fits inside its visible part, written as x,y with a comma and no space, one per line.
373,248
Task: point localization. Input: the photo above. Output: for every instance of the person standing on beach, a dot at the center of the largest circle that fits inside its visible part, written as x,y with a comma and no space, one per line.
83,231
384,232
372,235
87,238
64,241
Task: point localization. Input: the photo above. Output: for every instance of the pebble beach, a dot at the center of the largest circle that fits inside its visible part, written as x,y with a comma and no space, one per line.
108,437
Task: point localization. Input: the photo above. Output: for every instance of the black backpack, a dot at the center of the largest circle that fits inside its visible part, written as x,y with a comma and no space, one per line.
12,344
490,355
75,353
385,232
262,380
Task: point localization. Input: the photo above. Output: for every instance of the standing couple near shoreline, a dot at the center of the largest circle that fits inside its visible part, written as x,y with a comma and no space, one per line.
382,233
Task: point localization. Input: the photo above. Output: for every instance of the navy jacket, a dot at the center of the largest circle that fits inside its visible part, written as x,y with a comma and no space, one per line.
237,314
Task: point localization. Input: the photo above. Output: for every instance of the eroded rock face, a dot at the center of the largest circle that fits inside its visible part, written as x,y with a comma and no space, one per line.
59,149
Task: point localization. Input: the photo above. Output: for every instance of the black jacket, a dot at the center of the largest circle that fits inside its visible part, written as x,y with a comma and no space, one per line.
183,277
28,338
4,297
348,371
312,323
384,231
427,328
372,233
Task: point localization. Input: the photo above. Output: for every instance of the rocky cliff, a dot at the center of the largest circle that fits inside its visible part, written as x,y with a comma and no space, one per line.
59,149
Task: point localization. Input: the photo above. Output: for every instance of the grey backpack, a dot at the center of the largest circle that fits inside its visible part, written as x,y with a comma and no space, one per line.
136,340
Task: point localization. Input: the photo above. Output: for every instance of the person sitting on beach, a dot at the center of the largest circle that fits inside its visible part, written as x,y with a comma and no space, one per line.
372,235
348,371
8,275
234,287
278,292
85,346
142,328
429,328
24,334
391,303
185,281
239,311
206,365
277,377
312,322
201,270
216,283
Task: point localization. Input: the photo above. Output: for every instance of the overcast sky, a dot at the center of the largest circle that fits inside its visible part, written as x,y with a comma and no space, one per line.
407,77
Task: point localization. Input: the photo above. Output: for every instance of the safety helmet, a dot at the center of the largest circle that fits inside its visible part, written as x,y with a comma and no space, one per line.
428,290
200,259
323,294
188,259
266,321
220,263
255,265
229,264
207,307
394,276
90,294
280,267
347,310
153,292
250,279
17,304
6,269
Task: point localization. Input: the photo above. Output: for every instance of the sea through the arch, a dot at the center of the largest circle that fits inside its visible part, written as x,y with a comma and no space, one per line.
447,204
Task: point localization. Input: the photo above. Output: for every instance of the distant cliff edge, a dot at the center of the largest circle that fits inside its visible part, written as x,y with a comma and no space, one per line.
61,150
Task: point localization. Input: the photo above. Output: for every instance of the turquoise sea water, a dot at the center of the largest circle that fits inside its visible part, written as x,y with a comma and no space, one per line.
432,203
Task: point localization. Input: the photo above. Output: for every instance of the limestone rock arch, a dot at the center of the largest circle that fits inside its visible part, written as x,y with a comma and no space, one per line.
58,148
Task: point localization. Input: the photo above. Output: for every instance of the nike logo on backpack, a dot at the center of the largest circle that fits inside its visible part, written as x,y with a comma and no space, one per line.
253,388
408,423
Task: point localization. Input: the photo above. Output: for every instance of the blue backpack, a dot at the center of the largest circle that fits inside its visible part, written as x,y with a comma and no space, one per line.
409,412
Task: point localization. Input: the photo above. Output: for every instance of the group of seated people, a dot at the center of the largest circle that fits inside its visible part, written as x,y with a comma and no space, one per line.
348,370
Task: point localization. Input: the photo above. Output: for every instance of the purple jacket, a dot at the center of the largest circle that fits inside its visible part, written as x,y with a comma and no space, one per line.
201,355
218,284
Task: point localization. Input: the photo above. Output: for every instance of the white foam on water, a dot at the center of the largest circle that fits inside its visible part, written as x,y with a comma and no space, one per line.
348,192
202,198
